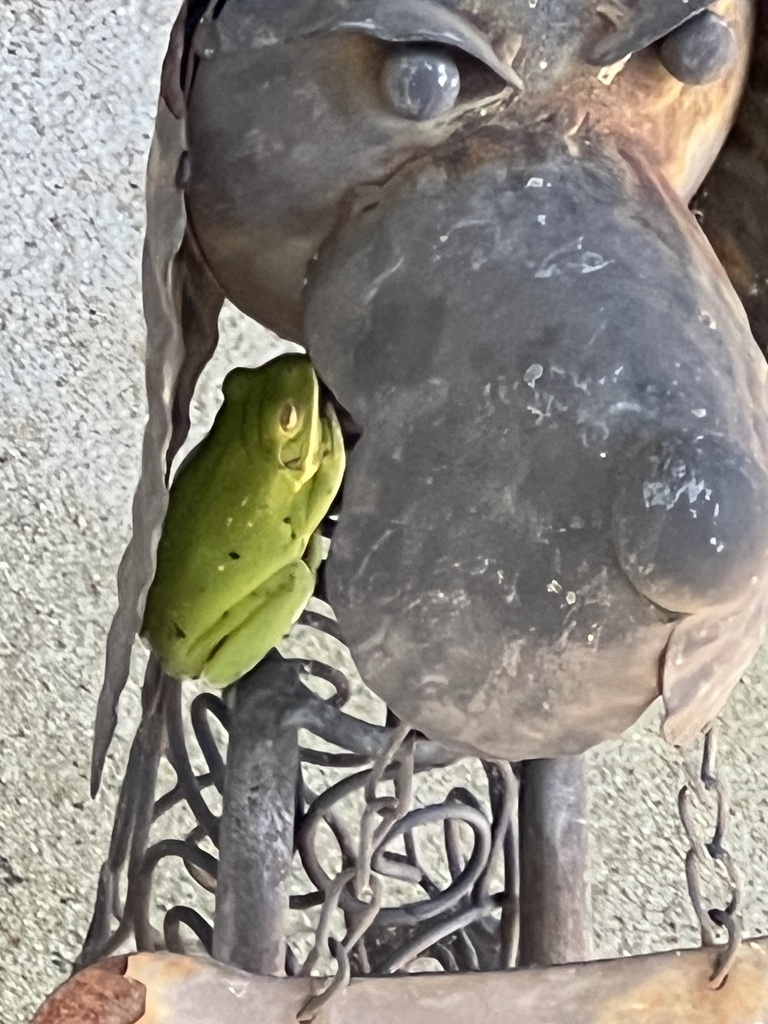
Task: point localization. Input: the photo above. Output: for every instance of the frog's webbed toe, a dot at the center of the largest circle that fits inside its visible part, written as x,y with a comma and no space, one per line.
690,521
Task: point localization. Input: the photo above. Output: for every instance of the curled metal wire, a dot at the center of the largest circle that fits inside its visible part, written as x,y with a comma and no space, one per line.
371,816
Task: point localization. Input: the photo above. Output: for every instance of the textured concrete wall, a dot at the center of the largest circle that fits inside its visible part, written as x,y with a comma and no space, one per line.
79,82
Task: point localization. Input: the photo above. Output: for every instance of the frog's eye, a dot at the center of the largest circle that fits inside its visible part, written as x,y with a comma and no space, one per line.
700,50
289,418
420,83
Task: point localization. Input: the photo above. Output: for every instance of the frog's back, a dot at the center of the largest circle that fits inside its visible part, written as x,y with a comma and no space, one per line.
228,523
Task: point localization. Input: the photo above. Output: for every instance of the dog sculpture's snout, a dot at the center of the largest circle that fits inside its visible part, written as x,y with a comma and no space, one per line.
559,498
690,520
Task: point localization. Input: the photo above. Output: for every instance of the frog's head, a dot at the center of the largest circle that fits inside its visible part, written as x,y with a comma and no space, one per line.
280,422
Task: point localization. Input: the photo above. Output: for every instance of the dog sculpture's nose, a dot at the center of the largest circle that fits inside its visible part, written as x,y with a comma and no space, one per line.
691,520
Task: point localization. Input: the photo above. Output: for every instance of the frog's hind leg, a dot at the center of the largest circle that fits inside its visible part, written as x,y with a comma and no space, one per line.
257,624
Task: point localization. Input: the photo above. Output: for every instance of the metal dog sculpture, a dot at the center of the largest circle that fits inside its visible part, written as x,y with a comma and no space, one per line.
473,214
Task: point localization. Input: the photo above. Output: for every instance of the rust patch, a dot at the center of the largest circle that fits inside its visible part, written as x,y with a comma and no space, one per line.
100,994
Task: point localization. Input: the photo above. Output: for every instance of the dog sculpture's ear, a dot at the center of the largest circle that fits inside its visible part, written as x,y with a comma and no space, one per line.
181,308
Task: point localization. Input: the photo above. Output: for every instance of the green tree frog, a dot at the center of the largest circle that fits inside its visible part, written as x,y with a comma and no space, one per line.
238,554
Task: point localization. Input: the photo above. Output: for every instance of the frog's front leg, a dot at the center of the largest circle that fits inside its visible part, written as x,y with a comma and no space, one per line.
246,633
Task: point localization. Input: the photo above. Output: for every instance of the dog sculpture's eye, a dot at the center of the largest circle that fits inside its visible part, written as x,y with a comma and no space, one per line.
700,50
420,83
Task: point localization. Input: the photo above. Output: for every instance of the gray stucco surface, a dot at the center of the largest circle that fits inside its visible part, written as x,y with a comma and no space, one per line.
79,82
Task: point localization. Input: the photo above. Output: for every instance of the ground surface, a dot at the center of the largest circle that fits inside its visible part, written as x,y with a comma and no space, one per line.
79,82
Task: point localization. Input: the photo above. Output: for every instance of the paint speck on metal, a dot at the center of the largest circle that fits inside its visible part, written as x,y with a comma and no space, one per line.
607,75
708,319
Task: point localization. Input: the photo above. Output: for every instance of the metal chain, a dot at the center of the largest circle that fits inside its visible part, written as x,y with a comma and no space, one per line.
380,816
708,791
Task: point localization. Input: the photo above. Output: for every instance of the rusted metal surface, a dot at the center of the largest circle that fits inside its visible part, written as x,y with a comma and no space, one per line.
557,510
663,988
256,831
101,994
555,900
263,185
544,653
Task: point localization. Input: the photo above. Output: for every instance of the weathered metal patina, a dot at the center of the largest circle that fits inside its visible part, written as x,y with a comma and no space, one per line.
473,214
557,508
663,988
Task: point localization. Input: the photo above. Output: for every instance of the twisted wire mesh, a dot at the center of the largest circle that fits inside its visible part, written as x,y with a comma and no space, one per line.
403,856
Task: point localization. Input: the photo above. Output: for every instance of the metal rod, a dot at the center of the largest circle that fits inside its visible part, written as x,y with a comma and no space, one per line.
257,824
321,718
555,903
